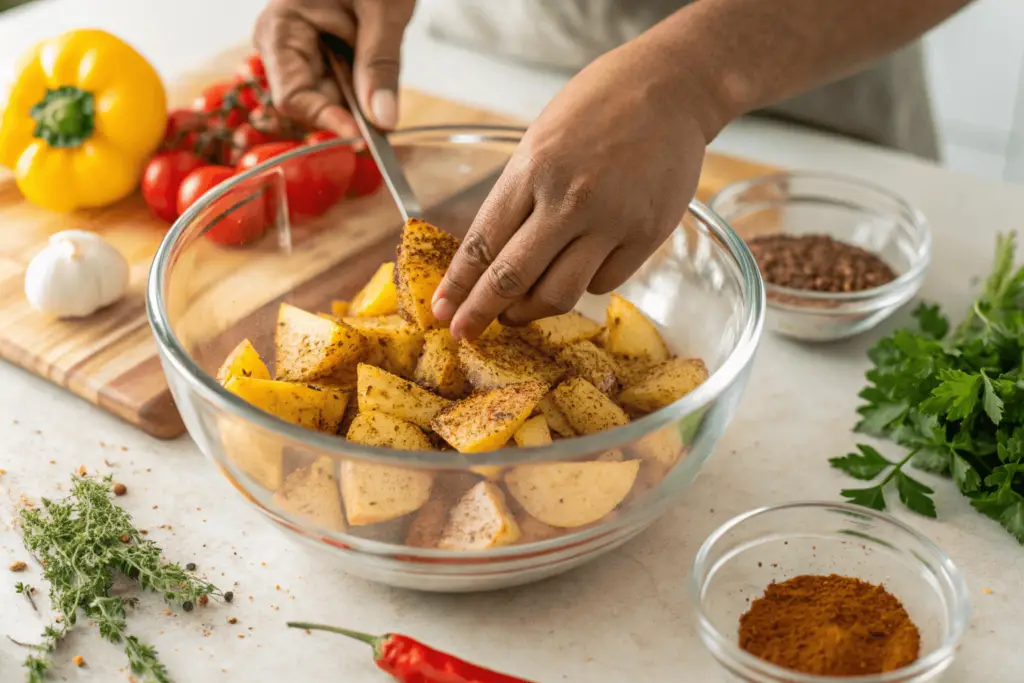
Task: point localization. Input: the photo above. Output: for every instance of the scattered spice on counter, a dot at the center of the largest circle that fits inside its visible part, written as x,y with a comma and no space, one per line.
410,661
818,263
191,566
18,566
78,660
232,620
120,489
830,626
986,591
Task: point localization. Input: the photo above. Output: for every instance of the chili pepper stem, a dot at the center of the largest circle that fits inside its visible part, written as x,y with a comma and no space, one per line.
373,641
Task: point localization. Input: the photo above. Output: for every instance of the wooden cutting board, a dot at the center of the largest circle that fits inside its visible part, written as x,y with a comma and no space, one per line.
110,359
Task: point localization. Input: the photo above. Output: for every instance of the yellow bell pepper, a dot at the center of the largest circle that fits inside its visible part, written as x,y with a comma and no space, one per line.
82,120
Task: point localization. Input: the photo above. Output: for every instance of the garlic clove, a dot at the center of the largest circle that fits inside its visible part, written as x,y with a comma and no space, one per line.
75,275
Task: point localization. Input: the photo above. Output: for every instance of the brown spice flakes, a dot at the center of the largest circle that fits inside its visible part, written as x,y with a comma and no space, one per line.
830,626
204,600
78,660
82,471
18,566
818,263
232,620
120,489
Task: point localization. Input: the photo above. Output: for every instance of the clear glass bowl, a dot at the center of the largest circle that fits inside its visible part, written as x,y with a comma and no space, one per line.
747,553
846,209
701,287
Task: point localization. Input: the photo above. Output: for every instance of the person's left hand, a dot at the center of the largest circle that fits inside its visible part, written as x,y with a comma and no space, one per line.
598,182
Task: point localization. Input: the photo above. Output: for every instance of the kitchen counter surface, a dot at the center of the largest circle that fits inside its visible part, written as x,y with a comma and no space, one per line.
626,617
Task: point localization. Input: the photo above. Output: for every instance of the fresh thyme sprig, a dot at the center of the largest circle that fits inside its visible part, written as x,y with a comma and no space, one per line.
82,542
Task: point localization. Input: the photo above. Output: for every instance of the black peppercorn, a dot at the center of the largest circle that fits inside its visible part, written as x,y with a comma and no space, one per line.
229,596
191,566
187,605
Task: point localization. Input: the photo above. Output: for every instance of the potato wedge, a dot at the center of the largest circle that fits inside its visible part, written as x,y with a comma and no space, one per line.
480,520
243,361
382,391
296,403
395,344
504,360
309,347
438,367
631,370
312,493
587,409
592,363
663,384
423,257
631,334
571,494
428,523
663,447
533,432
378,296
260,457
374,493
339,308
333,409
556,419
549,334
485,422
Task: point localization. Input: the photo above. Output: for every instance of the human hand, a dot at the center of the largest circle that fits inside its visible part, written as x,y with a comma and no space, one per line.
598,182
287,37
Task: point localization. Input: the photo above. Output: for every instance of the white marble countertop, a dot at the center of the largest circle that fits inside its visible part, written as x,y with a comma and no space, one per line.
626,617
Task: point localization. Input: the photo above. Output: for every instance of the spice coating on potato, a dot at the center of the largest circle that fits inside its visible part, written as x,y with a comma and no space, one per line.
423,258
556,419
571,494
334,405
592,363
587,409
382,391
378,296
534,432
664,384
559,330
312,493
629,333
438,367
480,520
295,403
309,347
243,361
504,360
485,422
393,344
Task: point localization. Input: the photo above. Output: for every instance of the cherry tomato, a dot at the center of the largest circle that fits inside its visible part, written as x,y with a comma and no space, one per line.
163,176
245,137
252,69
220,103
241,222
366,178
183,128
313,183
318,136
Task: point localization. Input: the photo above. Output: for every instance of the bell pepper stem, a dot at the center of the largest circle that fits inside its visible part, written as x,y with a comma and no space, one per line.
373,641
65,117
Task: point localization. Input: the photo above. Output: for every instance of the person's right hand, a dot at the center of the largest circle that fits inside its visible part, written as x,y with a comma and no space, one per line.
287,38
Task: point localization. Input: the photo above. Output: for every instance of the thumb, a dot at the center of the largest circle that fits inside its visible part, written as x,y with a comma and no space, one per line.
378,50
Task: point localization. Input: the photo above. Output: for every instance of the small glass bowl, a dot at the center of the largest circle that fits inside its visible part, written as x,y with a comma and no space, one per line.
846,209
776,543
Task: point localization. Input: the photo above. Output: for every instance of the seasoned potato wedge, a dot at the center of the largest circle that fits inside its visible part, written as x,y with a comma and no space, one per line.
243,361
631,370
428,523
504,360
531,529
380,390
485,422
663,384
309,347
534,432
592,363
480,520
259,456
339,308
312,493
587,409
423,257
395,345
663,447
631,334
296,403
375,428
334,404
438,367
556,419
559,330
379,296
571,494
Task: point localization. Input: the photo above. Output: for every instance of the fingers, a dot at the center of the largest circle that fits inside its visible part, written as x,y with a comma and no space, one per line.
378,51
619,267
564,282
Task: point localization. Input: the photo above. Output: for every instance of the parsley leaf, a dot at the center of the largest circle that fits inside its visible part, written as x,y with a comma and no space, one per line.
931,321
871,497
991,402
915,495
867,465
1012,520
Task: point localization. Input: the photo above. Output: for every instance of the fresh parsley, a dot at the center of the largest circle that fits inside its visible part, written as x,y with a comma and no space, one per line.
83,542
954,399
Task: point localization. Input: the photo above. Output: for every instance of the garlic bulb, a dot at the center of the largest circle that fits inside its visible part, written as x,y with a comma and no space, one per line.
75,275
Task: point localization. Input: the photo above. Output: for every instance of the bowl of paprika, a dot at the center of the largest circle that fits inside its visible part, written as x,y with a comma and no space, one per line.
807,592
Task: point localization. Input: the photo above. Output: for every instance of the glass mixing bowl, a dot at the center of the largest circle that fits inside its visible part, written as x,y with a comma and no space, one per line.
701,287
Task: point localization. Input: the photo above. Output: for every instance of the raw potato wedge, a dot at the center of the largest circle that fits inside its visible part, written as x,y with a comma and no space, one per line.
423,257
395,345
587,409
592,363
480,520
631,334
375,493
309,347
556,419
380,390
312,494
438,367
243,361
504,360
534,432
571,494
485,422
559,330
339,308
663,447
378,297
664,384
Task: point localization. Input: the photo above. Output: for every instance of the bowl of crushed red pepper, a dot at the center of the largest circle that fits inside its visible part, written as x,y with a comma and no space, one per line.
838,255
810,592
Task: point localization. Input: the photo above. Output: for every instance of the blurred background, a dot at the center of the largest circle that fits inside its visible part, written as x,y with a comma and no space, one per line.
976,71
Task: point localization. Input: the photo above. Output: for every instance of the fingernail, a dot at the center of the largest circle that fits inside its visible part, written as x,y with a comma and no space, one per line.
384,107
444,309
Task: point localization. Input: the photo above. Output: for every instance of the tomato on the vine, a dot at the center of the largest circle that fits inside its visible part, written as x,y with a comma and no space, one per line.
252,69
220,103
244,217
245,137
366,178
163,177
183,128
314,182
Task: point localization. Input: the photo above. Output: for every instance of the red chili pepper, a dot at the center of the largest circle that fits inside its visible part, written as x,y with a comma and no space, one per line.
410,661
